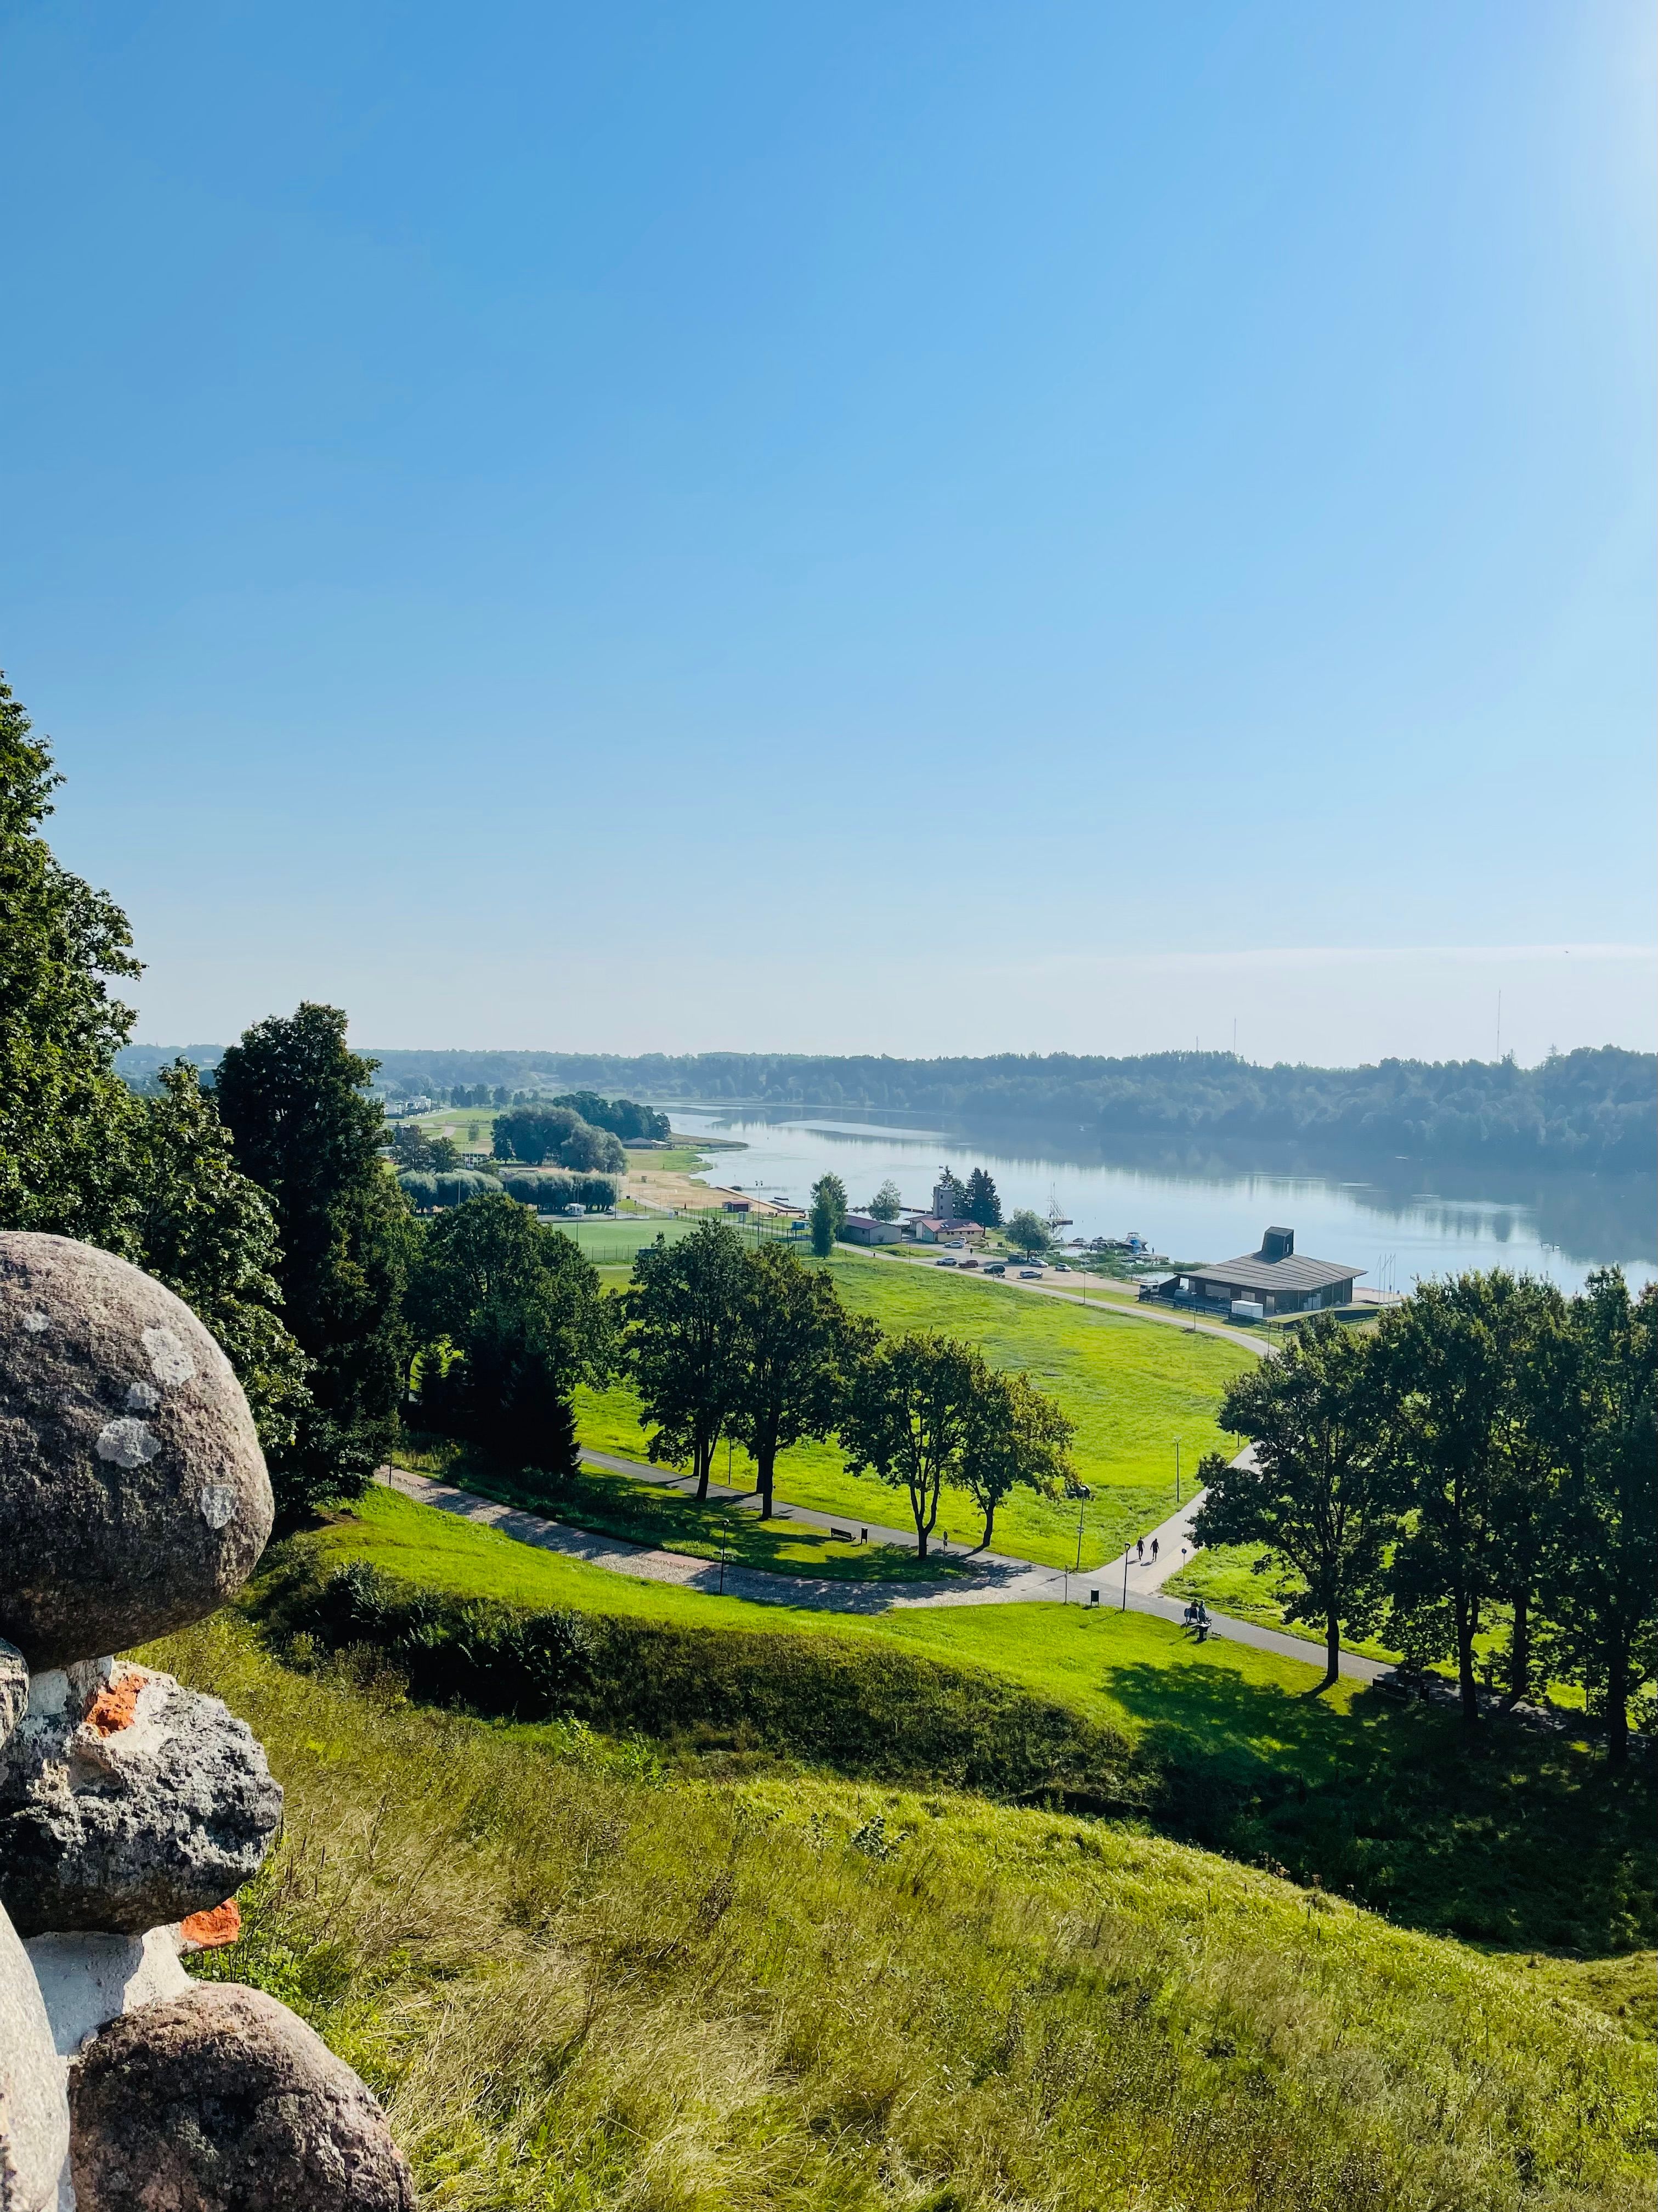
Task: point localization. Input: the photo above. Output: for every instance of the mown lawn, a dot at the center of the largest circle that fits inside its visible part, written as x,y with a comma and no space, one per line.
1132,1386
1499,1836
641,1512
577,1977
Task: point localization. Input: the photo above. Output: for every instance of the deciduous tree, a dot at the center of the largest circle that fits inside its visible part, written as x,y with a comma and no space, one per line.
1028,1232
1603,1563
1014,1437
797,1342
1311,1490
1454,1360
685,1310
887,1203
828,1214
906,1417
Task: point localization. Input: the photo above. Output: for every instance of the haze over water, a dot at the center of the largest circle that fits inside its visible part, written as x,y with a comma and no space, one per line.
1397,1218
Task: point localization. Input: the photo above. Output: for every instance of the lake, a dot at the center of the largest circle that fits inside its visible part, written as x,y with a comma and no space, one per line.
1397,1219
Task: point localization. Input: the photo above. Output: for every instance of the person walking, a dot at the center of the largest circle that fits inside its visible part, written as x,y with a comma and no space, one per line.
1154,1551
1140,1545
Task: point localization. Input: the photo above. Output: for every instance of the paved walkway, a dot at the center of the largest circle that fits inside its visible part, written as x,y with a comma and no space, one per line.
991,1579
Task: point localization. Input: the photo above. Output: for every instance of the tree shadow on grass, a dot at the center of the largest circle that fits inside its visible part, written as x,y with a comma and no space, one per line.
1495,1835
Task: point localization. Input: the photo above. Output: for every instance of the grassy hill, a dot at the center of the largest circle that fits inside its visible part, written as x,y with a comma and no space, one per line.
1509,1838
579,1976
1132,1386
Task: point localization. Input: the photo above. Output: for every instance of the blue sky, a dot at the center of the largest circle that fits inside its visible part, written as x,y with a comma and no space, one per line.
900,527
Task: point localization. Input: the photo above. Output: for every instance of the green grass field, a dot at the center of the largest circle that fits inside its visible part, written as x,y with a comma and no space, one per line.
577,1978
1504,1837
1132,1386
641,1513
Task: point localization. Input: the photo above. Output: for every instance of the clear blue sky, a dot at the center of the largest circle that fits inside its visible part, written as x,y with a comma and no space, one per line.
575,526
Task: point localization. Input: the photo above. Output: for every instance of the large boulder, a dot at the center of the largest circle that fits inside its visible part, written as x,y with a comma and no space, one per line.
14,1689
127,1800
222,2101
33,2110
133,1493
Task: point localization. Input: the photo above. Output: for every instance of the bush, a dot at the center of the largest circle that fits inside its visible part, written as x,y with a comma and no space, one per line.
886,1714
552,1190
425,1190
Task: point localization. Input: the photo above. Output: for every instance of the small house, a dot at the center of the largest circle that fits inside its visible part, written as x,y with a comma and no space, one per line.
1276,1280
865,1229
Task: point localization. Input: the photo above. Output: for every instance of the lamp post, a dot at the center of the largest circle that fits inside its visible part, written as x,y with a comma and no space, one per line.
1082,1504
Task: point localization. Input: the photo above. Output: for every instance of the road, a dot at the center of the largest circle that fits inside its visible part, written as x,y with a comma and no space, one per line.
991,1579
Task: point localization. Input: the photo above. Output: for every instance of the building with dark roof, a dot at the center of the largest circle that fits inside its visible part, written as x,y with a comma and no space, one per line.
1276,1280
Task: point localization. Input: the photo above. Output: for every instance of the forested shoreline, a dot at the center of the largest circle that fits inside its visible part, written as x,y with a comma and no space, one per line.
1592,1108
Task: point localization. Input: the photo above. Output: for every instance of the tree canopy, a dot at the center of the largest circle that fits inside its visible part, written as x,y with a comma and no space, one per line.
306,1128
538,1135
685,1307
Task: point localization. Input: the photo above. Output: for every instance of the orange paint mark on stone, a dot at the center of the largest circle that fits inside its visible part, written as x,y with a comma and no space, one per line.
113,1709
205,1931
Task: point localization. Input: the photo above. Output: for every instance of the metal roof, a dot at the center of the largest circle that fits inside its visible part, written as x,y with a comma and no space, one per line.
1250,1270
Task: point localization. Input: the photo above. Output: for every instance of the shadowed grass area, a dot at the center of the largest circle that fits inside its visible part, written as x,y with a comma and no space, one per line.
1503,1836
641,1512
577,1979
1132,1386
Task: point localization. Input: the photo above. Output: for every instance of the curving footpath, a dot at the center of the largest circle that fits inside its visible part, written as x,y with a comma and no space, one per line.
993,1579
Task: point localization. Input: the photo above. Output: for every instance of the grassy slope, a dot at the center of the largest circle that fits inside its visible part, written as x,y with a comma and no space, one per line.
1132,1386
1524,1841
576,1982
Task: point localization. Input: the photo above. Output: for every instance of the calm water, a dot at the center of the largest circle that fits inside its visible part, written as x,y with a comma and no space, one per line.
1397,1219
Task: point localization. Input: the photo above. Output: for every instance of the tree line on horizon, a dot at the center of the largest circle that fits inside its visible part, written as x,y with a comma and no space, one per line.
1595,1107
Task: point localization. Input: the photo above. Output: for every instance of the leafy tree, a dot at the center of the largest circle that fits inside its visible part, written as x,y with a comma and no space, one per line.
796,1340
622,1117
1603,1569
537,1134
66,1116
982,1205
1455,1360
306,1128
521,1306
1014,1437
412,1147
1028,1232
887,1203
828,1214
206,1230
906,1417
686,1307
1310,1490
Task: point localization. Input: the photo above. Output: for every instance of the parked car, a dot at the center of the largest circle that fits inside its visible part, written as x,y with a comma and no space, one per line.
946,1263
1030,1274
995,1267
969,1263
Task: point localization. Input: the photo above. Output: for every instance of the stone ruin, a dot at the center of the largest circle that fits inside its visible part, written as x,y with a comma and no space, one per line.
133,1499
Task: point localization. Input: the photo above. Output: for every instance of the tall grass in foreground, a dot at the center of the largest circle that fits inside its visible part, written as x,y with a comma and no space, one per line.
579,1981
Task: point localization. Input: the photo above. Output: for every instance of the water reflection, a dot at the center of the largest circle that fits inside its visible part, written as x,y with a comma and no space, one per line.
1396,1217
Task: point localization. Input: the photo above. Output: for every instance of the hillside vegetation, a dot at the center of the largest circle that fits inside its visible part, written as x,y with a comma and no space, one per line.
577,1977
1504,1837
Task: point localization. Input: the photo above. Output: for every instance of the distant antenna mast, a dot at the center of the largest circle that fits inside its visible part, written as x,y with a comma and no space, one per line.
1499,1025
